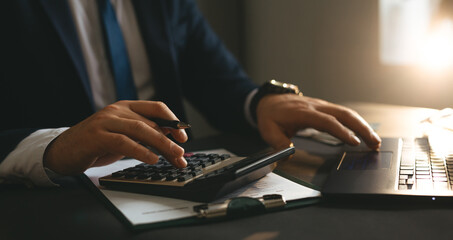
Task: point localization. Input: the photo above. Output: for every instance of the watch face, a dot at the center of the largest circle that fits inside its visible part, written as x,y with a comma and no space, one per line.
285,87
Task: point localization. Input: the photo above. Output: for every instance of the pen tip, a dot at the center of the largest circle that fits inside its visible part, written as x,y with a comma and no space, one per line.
183,125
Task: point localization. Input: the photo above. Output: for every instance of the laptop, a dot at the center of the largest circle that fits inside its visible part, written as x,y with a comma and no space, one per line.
414,168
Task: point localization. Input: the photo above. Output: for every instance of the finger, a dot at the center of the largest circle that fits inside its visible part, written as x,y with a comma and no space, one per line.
274,135
355,122
151,109
139,131
179,135
327,123
135,116
120,144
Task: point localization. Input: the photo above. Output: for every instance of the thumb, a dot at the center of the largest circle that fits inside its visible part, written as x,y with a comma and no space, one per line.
274,135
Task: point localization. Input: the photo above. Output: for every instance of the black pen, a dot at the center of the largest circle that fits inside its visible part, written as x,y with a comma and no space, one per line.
170,123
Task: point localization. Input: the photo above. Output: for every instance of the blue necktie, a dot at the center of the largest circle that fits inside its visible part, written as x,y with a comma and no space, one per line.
117,52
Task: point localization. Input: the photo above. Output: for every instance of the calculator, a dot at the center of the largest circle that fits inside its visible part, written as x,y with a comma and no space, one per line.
207,176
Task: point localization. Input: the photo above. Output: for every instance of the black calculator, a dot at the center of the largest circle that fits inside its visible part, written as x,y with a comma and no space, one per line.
208,176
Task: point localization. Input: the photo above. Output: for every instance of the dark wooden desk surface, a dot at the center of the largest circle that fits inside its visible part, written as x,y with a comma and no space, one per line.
72,212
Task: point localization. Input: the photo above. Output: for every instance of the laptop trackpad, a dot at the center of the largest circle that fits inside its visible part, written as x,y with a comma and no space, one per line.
366,172
370,160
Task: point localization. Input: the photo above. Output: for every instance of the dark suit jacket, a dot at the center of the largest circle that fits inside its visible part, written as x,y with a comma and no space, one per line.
44,82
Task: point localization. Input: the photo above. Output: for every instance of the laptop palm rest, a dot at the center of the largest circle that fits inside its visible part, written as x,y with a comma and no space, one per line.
361,171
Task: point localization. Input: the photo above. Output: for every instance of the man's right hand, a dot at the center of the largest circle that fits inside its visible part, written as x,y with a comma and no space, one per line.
116,131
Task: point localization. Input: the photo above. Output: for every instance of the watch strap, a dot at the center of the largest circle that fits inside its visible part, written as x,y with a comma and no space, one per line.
271,87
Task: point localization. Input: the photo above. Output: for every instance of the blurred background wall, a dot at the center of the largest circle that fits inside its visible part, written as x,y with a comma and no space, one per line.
330,48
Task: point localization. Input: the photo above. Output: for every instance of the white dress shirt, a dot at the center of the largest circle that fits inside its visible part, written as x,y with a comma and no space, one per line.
25,162
87,21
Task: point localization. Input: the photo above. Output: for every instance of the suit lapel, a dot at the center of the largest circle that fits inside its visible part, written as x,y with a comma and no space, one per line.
153,20
61,18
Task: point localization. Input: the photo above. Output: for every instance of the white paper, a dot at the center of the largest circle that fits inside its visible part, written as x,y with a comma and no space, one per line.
142,208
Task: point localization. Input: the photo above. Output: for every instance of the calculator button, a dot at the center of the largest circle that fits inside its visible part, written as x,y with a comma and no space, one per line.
143,176
215,160
142,165
164,173
130,175
213,155
196,173
195,168
157,176
198,155
118,174
224,156
203,159
206,164
184,178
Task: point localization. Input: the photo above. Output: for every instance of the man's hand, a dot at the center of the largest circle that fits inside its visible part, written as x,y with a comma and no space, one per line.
112,133
280,116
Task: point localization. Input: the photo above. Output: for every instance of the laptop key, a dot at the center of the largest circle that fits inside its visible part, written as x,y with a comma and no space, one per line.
407,172
440,175
424,184
441,186
410,181
407,167
438,167
422,168
422,165
423,176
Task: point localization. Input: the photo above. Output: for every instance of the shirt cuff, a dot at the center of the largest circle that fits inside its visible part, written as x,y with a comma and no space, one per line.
25,162
247,112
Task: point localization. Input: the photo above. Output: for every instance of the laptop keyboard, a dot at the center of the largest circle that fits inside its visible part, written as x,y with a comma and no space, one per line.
423,168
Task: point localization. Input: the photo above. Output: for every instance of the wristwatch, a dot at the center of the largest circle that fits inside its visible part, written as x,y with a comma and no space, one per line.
272,87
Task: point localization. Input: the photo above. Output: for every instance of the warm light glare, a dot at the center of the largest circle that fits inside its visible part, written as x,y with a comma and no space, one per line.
436,52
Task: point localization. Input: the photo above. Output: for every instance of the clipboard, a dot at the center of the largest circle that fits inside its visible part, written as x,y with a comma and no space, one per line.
136,210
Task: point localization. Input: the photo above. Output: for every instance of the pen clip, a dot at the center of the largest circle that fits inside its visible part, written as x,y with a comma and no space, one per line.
240,206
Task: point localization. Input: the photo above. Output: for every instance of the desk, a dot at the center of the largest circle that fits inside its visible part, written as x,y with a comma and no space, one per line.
72,212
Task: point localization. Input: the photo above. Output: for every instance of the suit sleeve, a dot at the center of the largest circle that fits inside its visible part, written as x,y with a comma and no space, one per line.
9,138
213,80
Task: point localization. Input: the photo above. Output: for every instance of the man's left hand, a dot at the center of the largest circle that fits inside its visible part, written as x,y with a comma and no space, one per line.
280,116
